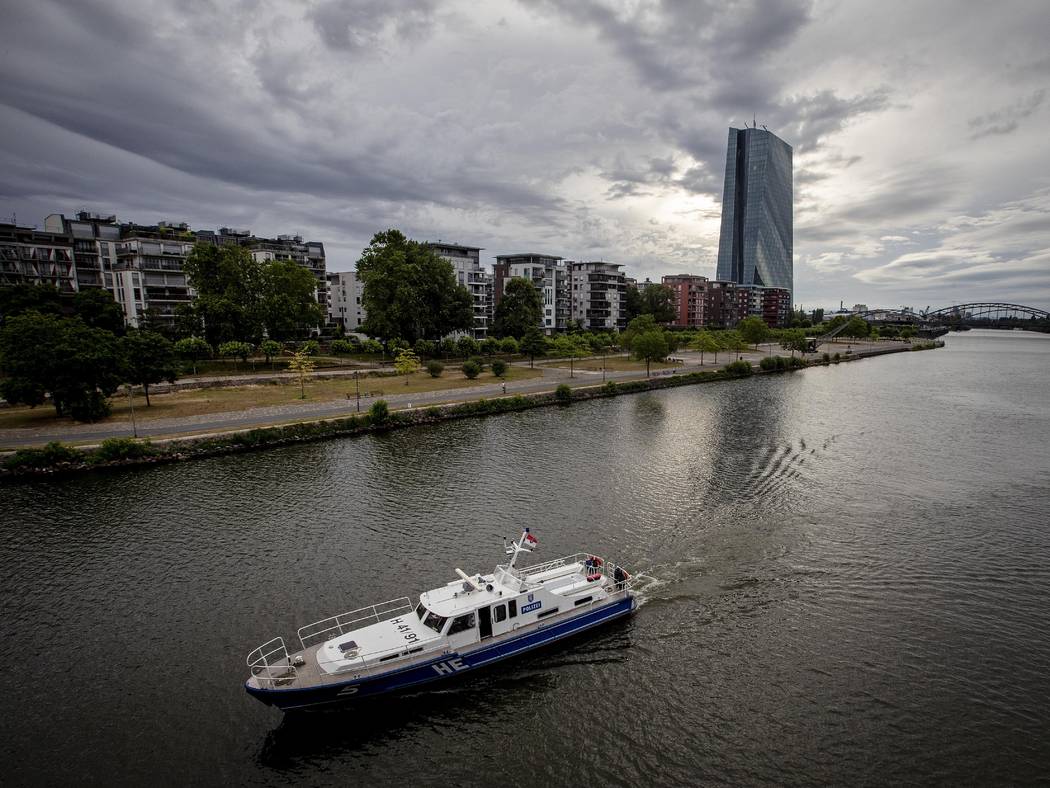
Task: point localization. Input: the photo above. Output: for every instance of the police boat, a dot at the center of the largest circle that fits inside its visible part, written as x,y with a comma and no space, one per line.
472,621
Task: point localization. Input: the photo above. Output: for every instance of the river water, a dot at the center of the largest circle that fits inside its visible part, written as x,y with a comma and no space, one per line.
846,573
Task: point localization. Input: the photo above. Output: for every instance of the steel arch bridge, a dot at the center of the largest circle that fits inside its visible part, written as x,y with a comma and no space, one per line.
978,310
986,310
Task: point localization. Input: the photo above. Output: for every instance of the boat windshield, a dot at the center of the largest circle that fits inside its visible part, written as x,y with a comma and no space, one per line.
421,611
434,621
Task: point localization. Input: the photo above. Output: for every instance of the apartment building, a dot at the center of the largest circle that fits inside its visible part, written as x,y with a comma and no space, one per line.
466,264
704,303
34,257
551,278
599,291
344,300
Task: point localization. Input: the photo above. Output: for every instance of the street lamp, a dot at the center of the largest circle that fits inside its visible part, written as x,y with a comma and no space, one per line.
357,385
131,405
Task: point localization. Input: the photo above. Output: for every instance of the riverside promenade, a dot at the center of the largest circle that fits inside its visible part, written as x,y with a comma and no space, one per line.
554,373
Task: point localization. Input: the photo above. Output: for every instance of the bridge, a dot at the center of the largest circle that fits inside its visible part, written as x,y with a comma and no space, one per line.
985,311
935,322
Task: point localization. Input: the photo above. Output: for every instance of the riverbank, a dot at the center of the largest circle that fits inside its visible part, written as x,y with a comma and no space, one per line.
120,452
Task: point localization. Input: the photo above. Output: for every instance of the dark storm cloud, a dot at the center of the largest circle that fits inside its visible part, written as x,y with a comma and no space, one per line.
582,128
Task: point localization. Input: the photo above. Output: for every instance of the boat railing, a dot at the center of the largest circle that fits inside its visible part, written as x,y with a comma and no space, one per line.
575,558
270,664
328,628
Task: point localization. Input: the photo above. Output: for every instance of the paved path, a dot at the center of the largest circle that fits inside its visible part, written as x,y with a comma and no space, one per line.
305,411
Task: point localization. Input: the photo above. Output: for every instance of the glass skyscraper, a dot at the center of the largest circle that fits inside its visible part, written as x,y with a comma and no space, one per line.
755,246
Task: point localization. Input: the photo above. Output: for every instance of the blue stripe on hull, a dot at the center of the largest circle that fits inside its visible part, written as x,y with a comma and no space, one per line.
443,667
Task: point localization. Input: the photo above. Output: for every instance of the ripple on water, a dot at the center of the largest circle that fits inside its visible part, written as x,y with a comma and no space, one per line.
834,589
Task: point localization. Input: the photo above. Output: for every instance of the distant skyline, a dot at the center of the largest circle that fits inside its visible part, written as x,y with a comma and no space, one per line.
590,130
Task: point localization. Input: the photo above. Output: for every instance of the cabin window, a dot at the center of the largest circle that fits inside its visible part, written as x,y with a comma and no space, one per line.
421,611
434,621
461,624
499,613
546,613
583,601
513,605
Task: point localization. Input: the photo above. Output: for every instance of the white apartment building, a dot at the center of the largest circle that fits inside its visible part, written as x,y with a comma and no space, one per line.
344,300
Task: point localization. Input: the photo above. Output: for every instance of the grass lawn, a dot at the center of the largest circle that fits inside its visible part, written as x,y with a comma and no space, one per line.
224,400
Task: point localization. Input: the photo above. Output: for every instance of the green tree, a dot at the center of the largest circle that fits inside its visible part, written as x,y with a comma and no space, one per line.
509,345
149,358
447,346
856,328
97,309
467,346
302,365
658,301
340,347
435,368
407,363
193,349
80,367
410,291
650,346
875,333
642,324
19,299
471,369
230,286
533,344
235,349
490,346
520,308
187,322
632,302
499,368
373,347
754,330
908,332
270,348
705,342
289,305
794,339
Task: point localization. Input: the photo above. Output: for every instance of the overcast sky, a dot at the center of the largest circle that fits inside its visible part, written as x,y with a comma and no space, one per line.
591,130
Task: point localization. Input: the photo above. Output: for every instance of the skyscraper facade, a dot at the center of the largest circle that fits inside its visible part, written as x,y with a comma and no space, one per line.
756,242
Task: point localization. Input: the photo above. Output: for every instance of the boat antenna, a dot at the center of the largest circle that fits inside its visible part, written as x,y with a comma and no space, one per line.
525,544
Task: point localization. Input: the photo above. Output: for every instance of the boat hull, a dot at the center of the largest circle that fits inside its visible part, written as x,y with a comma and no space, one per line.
443,667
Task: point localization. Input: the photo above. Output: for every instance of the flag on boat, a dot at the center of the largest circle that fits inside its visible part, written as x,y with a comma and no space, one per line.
531,541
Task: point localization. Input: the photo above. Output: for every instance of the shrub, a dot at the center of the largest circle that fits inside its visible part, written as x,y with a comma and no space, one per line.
609,388
490,346
499,368
113,449
471,369
51,455
740,367
768,363
425,348
310,347
838,356
827,358
479,361
509,345
379,412
341,347
468,346
563,393
435,368
795,362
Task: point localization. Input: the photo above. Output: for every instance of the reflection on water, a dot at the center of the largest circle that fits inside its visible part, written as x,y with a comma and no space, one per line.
844,582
